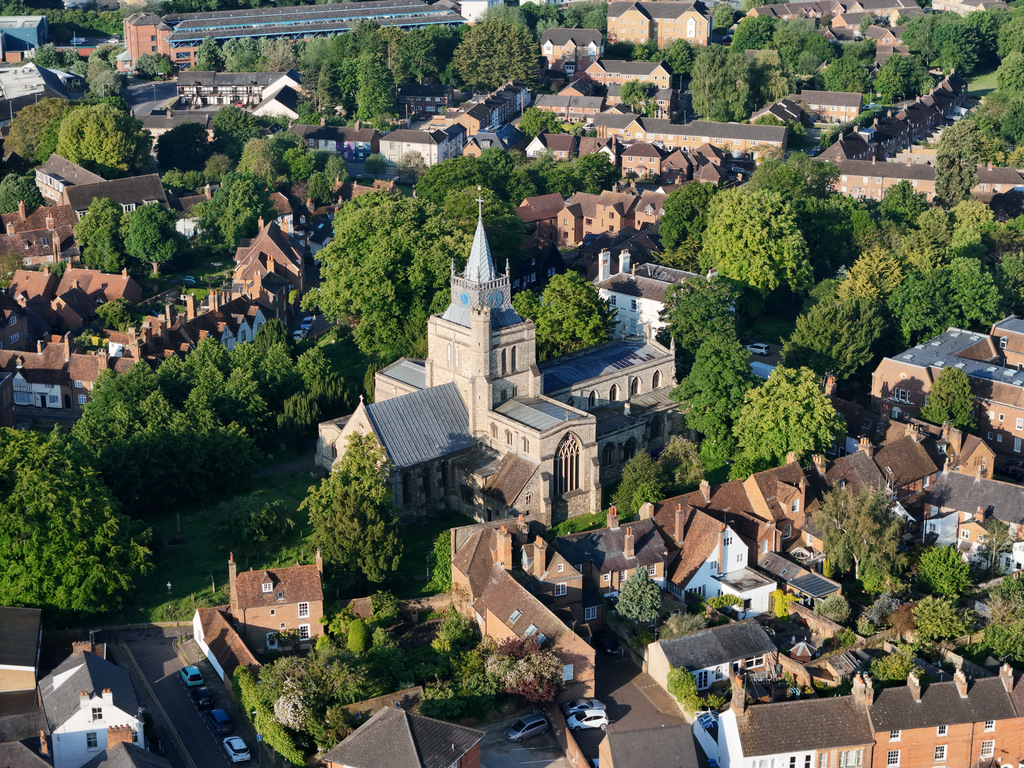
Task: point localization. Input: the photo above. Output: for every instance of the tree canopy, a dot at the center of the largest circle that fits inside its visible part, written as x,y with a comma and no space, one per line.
105,140
639,597
950,400
571,316
494,51
858,530
943,571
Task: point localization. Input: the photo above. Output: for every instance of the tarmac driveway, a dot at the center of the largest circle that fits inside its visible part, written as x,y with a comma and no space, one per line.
536,752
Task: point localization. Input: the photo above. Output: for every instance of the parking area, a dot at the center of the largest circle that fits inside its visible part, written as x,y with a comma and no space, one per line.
537,752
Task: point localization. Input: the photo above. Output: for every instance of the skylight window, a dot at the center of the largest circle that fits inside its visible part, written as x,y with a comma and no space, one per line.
514,617
531,630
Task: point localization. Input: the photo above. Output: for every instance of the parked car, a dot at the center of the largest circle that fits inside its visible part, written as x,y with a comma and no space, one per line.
220,722
298,334
191,676
607,642
306,324
1012,469
525,727
758,349
580,705
591,718
202,697
236,749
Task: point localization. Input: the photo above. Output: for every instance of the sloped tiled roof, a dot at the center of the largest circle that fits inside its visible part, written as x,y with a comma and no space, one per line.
394,738
661,746
718,645
905,461
511,477
895,709
965,493
294,584
605,546
422,426
857,470
123,755
223,641
14,754
804,725
61,690
71,173
134,190
564,371
19,636
540,207
577,36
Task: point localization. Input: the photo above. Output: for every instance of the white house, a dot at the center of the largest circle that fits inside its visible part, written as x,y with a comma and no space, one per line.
473,10
90,705
711,653
636,292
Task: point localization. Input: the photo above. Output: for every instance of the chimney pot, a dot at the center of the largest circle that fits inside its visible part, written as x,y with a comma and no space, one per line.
613,518
629,544
705,491
646,511
1006,675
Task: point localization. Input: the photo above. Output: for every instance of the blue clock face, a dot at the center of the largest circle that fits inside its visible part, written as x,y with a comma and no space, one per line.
464,299
495,299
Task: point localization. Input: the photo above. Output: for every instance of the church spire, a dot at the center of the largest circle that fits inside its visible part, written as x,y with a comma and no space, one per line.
480,267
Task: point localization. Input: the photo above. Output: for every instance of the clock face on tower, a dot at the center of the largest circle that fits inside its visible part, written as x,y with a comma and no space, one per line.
464,298
495,299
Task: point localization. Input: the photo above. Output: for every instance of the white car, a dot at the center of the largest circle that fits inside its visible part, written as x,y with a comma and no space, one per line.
591,718
307,322
236,749
758,349
298,334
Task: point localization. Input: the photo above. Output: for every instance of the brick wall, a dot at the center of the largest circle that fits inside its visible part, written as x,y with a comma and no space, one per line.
565,738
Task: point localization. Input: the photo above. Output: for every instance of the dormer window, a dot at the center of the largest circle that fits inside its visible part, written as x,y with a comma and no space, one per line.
795,506
280,596
531,630
267,587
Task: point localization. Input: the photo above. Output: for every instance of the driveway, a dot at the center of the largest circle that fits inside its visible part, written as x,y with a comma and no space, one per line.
632,698
154,652
537,752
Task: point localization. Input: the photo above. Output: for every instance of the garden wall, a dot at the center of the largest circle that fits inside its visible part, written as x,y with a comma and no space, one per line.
565,738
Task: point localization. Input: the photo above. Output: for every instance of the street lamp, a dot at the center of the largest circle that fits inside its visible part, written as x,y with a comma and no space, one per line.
168,589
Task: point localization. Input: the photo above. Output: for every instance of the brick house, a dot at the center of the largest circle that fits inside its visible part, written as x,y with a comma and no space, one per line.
130,193
737,139
570,108
567,50
617,72
540,215
395,738
642,160
42,237
432,146
830,106
269,267
562,146
664,100
427,99
664,21
57,174
353,142
267,602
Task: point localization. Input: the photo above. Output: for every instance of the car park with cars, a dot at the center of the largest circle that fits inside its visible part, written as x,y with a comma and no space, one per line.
590,718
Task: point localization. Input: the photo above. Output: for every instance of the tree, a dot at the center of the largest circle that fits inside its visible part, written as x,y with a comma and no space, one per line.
259,159
232,128
693,307
1004,634
797,177
680,464
105,140
789,413
753,238
494,51
639,96
252,524
679,623
208,57
858,530
358,637
685,215
63,541
713,394
151,236
411,165
836,337
834,608
719,84
520,668
902,204
185,146
440,563
537,121
375,165
99,234
956,161
950,400
896,666
639,597
234,210
641,483
996,543
846,74
153,64
114,314
723,16
943,571
299,163
572,316
15,190
28,125
354,520
376,91
938,618
320,188
871,278
754,33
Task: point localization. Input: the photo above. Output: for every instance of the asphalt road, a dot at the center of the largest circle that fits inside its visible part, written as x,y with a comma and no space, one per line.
159,665
145,97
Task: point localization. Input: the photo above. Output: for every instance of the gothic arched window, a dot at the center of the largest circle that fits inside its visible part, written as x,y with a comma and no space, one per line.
630,449
513,359
504,367
592,400
494,431
608,455
656,381
634,387
613,393
567,465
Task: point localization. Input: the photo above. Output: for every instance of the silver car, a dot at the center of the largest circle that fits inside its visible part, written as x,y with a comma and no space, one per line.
527,726
580,705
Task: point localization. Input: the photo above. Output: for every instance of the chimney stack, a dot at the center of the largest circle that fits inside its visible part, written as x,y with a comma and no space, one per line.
319,562
863,690
624,261
830,386
524,527
169,313
1006,675
21,210
680,520
503,555
961,683
866,446
819,464
979,515
705,491
629,545
739,691
190,306
646,511
613,518
914,684
604,261
232,587
119,733
791,458
540,556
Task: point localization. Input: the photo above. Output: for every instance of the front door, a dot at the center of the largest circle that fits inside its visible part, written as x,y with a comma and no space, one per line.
42,401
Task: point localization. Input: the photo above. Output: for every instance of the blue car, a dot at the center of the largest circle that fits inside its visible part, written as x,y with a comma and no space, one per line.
220,722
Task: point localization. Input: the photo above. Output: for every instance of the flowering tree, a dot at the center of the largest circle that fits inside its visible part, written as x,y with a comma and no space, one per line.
519,667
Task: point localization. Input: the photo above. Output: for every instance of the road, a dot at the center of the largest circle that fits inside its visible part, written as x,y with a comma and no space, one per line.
153,651
145,97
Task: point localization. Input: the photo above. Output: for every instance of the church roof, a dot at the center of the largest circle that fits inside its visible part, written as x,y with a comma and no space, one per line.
570,370
536,412
480,267
422,426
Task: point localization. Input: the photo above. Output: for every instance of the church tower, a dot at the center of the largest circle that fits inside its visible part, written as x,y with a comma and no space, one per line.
480,341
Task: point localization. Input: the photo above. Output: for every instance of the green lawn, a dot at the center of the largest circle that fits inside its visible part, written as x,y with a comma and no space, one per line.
579,524
418,539
344,356
981,84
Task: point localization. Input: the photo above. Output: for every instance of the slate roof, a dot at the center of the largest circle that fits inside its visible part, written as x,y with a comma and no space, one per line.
605,546
296,583
161,121
71,173
662,746
894,709
829,98
408,371
537,412
803,725
19,636
61,690
580,37
568,370
422,426
136,190
797,576
567,101
965,493
207,79
14,754
340,133
123,755
394,738
718,645
663,9
621,67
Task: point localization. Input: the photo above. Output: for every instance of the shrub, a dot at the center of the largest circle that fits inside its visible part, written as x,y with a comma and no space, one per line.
383,608
358,637
880,611
679,623
846,638
833,607
724,601
781,602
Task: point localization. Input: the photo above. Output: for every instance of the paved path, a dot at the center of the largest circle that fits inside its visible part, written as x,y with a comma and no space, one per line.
145,97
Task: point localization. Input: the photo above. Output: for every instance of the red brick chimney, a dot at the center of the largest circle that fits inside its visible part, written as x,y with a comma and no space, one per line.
866,446
503,553
21,210
739,692
705,491
1006,675
830,386
961,683
319,562
680,522
819,464
190,306
863,690
979,514
119,733
613,518
232,587
628,545
791,458
646,511
540,556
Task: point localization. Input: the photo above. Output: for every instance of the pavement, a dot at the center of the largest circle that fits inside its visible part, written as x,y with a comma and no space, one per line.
185,736
145,97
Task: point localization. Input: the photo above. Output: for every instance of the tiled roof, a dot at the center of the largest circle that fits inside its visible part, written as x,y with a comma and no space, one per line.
292,584
895,709
19,636
14,754
206,79
579,37
718,645
538,413
33,283
700,539
905,461
620,67
605,547
394,738
965,493
123,755
59,168
422,426
409,700
224,641
511,477
99,286
568,370
662,746
663,9
829,98
857,470
340,133
540,207
134,190
84,672
804,725
568,101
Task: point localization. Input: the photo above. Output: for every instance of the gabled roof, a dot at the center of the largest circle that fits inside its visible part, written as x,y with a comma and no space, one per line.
292,584
224,641
829,98
661,746
422,426
857,471
803,725
540,207
134,190
14,754
718,645
123,755
700,540
579,37
797,576
966,493
71,173
61,690
663,9
394,738
895,709
905,461
621,67
19,637
605,547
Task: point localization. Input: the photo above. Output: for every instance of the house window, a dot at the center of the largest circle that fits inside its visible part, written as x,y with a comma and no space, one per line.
267,587
795,506
508,437
851,758
303,631
622,576
990,725
940,754
514,616
97,713
606,578
273,612
14,338
83,399
566,673
560,589
560,568
651,569
788,532
965,534
303,610
942,730
893,758
272,641
13,320
894,735
589,614
79,385
91,742
988,749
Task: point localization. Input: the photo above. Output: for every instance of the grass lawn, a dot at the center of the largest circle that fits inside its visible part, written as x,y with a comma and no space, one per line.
981,84
199,562
344,356
579,524
770,328
418,538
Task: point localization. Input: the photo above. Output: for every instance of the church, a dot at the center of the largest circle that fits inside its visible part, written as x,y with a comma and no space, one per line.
483,427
